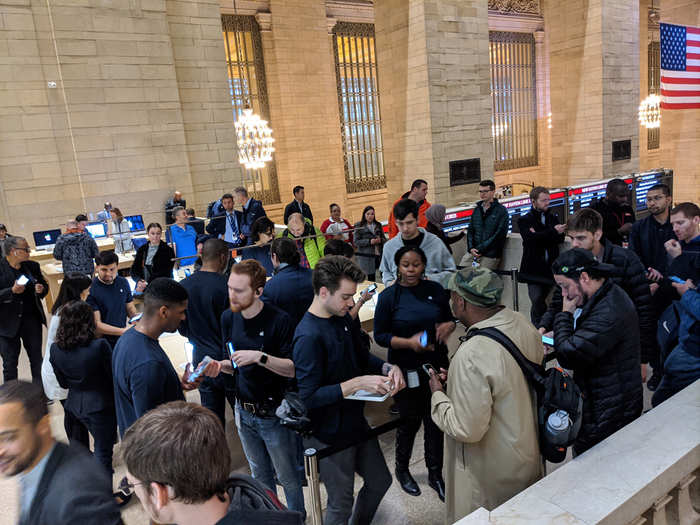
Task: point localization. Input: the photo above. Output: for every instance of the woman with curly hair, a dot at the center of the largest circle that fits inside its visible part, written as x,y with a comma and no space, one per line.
83,365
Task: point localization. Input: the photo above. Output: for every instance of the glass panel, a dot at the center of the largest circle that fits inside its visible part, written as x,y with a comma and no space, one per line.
513,93
358,102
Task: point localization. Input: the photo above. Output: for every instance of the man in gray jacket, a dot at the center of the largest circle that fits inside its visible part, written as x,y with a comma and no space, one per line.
440,261
77,250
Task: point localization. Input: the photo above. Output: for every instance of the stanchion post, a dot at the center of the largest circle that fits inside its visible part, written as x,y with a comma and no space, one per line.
313,482
514,279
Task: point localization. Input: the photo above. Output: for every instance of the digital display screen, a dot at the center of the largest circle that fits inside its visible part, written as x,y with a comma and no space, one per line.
457,220
522,205
46,238
643,182
135,223
96,229
586,194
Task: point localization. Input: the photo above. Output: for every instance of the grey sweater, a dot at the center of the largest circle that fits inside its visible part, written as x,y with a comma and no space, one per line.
440,261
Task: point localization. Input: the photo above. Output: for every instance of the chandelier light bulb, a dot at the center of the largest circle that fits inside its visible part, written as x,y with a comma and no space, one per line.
650,111
254,139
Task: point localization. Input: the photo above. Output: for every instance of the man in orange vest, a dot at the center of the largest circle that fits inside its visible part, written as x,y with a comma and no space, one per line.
419,189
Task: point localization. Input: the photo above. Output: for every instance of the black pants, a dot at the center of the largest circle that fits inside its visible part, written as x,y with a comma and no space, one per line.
215,391
75,430
103,427
30,333
538,306
414,404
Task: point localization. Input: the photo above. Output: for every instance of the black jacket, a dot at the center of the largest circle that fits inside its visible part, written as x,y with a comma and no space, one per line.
86,372
217,225
74,488
251,214
293,207
162,262
614,217
488,230
647,240
604,354
535,267
631,276
11,305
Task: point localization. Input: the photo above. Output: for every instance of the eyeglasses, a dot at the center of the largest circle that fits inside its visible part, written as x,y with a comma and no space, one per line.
127,488
485,191
28,250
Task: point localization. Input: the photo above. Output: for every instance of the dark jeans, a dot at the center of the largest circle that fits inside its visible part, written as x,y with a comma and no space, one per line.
103,427
337,473
30,332
215,391
538,294
75,430
414,405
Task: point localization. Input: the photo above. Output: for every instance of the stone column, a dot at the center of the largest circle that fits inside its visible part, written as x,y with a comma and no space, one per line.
544,138
434,76
594,87
680,128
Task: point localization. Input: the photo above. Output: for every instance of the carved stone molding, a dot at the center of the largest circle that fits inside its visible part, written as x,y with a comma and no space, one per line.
264,20
515,6
330,23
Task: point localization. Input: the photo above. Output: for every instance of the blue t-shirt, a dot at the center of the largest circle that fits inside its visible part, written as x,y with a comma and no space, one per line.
144,377
185,243
111,301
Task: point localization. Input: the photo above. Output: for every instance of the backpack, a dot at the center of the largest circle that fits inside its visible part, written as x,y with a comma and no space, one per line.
556,392
253,504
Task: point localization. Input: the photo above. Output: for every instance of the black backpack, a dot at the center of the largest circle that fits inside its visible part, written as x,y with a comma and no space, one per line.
555,391
253,504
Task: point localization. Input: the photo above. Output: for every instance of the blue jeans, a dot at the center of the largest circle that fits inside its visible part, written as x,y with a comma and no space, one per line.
273,449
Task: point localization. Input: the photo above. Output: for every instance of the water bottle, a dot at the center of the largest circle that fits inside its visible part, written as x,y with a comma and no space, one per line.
558,427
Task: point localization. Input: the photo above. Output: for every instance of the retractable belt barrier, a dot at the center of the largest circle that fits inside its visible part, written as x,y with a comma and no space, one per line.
313,456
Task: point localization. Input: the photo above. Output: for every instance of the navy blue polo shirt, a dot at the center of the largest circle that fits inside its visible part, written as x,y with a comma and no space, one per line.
111,301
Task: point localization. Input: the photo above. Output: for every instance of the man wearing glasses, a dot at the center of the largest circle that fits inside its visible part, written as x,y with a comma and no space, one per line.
487,231
22,287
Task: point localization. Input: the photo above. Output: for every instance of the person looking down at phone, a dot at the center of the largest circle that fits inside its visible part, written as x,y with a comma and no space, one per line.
333,362
261,336
410,308
22,287
110,298
486,409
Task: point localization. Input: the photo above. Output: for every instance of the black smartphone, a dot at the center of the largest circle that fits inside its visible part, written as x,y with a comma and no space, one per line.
427,368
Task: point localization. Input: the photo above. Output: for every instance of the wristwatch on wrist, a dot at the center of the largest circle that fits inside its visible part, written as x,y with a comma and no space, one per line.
263,358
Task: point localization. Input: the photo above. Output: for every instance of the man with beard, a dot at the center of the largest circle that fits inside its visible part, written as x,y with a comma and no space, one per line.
110,298
332,363
592,337
144,377
261,337
59,484
647,240
685,251
618,215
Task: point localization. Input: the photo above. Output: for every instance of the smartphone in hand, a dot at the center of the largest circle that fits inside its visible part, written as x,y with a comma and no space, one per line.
22,280
424,339
548,340
673,278
231,350
371,288
428,369
200,368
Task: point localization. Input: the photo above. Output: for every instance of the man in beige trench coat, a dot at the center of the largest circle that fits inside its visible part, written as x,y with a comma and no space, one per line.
488,413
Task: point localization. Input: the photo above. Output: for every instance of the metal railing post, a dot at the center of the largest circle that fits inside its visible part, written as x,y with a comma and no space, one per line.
313,482
514,278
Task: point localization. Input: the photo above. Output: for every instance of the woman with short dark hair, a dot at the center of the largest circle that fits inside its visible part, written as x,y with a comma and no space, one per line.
83,365
261,234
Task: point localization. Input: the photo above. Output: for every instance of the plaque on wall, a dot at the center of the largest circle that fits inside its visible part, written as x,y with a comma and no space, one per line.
467,171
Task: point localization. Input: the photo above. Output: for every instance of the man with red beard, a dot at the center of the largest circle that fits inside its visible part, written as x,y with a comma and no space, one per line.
261,337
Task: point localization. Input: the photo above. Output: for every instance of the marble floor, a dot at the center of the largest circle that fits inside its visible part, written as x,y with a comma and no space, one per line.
397,507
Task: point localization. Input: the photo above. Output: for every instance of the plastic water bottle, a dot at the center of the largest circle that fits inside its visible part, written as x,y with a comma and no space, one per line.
558,427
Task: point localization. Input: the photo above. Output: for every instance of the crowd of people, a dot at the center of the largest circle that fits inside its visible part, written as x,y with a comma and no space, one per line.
280,327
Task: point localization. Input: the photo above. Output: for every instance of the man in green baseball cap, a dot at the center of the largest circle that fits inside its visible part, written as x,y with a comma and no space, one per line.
485,407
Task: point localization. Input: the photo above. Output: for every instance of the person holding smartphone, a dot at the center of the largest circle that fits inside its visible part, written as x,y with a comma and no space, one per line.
22,287
413,319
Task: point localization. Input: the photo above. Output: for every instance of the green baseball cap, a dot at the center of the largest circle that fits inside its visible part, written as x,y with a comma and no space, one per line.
478,286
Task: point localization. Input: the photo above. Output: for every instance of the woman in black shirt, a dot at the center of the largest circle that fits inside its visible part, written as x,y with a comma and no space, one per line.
404,311
83,365
153,259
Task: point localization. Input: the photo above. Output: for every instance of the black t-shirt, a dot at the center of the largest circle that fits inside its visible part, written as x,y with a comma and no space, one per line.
111,301
271,332
207,300
416,241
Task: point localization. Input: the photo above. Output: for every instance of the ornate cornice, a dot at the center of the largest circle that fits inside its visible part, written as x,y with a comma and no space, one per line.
515,6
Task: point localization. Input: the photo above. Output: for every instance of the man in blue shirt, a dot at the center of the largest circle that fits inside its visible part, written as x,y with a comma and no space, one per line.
110,298
331,364
228,226
144,377
252,211
290,288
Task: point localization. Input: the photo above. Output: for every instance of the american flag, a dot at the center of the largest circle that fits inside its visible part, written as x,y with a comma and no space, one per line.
680,67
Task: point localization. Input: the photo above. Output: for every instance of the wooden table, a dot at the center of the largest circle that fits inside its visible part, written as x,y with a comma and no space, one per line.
54,276
367,310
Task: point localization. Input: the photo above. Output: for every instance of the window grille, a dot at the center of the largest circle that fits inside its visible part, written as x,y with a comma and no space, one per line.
514,96
246,74
654,78
358,102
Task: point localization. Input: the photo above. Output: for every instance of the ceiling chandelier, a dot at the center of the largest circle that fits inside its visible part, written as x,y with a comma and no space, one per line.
650,111
253,135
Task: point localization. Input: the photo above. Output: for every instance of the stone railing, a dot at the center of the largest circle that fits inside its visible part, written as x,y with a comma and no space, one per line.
647,473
